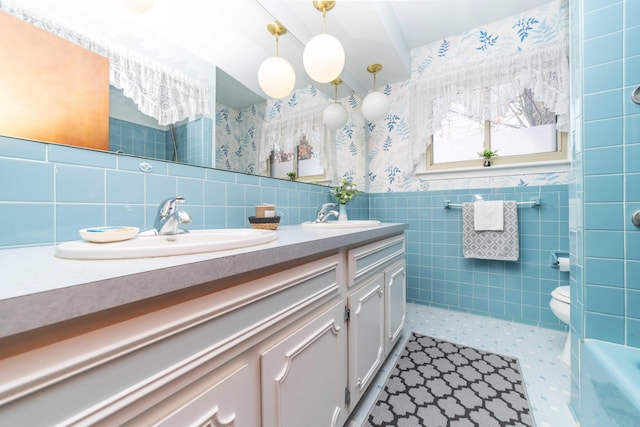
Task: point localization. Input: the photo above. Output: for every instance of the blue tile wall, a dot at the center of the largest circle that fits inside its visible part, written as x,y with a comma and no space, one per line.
438,274
611,164
193,141
608,34
56,190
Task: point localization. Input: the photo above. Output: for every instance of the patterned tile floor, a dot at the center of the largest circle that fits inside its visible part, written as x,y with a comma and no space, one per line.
546,378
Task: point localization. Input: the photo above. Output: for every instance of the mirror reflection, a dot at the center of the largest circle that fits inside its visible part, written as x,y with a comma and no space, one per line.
168,103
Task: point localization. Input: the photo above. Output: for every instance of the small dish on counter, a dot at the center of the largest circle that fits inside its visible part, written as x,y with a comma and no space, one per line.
108,234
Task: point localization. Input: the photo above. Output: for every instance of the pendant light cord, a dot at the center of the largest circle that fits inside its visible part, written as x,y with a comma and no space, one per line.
324,19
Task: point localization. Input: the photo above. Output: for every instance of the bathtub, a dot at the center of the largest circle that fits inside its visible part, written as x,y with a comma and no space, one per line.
609,385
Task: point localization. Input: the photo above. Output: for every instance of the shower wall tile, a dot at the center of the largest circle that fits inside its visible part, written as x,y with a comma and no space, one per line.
603,21
632,278
604,327
603,161
603,133
633,303
603,77
632,42
632,153
605,300
603,105
604,216
607,272
602,50
603,188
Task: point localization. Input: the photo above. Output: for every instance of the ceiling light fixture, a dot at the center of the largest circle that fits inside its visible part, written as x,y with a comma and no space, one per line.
375,106
323,56
335,116
275,75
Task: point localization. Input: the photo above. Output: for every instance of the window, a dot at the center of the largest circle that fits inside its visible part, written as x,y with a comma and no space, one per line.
304,161
525,133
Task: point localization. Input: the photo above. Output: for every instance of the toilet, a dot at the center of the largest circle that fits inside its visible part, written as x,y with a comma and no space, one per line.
561,306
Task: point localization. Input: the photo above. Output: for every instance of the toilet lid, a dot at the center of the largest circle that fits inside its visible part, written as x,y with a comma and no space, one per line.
561,293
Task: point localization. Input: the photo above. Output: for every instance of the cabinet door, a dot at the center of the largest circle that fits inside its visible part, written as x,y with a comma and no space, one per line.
366,335
395,303
226,397
304,375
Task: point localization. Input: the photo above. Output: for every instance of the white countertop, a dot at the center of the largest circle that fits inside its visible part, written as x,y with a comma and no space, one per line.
39,289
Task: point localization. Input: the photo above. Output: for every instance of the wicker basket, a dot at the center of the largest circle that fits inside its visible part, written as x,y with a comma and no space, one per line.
269,223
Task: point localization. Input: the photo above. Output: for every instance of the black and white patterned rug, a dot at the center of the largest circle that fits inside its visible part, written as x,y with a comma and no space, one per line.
438,383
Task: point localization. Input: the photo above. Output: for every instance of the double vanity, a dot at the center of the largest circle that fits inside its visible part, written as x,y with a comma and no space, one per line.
287,332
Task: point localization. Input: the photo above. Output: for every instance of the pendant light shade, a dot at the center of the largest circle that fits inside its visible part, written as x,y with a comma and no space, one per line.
276,75
335,116
323,57
375,106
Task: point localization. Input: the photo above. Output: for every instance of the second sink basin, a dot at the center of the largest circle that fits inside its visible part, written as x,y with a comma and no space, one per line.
196,241
352,223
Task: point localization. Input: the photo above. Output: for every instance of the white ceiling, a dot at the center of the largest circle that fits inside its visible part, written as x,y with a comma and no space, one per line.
232,34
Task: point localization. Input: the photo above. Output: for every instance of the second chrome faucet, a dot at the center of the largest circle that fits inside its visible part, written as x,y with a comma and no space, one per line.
323,214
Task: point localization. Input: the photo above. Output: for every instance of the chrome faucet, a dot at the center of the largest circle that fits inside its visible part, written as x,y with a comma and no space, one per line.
169,216
323,215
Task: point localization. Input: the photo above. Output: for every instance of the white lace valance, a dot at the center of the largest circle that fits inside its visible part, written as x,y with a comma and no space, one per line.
286,133
159,92
487,88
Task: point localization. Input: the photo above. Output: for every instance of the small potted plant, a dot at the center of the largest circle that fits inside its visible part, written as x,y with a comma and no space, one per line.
292,175
345,192
487,155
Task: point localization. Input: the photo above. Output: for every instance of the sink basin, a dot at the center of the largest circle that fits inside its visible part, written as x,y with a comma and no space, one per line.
352,223
196,241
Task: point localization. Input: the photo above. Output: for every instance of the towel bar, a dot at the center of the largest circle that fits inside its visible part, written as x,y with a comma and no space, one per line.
534,202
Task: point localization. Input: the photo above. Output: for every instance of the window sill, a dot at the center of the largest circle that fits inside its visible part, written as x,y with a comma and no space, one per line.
556,166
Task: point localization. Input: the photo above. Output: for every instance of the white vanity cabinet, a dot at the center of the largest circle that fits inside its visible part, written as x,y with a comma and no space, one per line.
304,374
395,285
293,345
366,335
376,308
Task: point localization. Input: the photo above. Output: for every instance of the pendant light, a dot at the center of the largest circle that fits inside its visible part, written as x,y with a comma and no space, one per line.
323,56
275,75
375,106
335,116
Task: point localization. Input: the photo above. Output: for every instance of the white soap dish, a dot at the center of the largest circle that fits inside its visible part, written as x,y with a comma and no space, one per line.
108,234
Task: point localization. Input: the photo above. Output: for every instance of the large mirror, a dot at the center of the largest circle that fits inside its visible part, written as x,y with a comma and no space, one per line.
202,138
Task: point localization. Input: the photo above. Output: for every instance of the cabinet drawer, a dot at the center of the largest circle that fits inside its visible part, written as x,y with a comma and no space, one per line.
366,259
